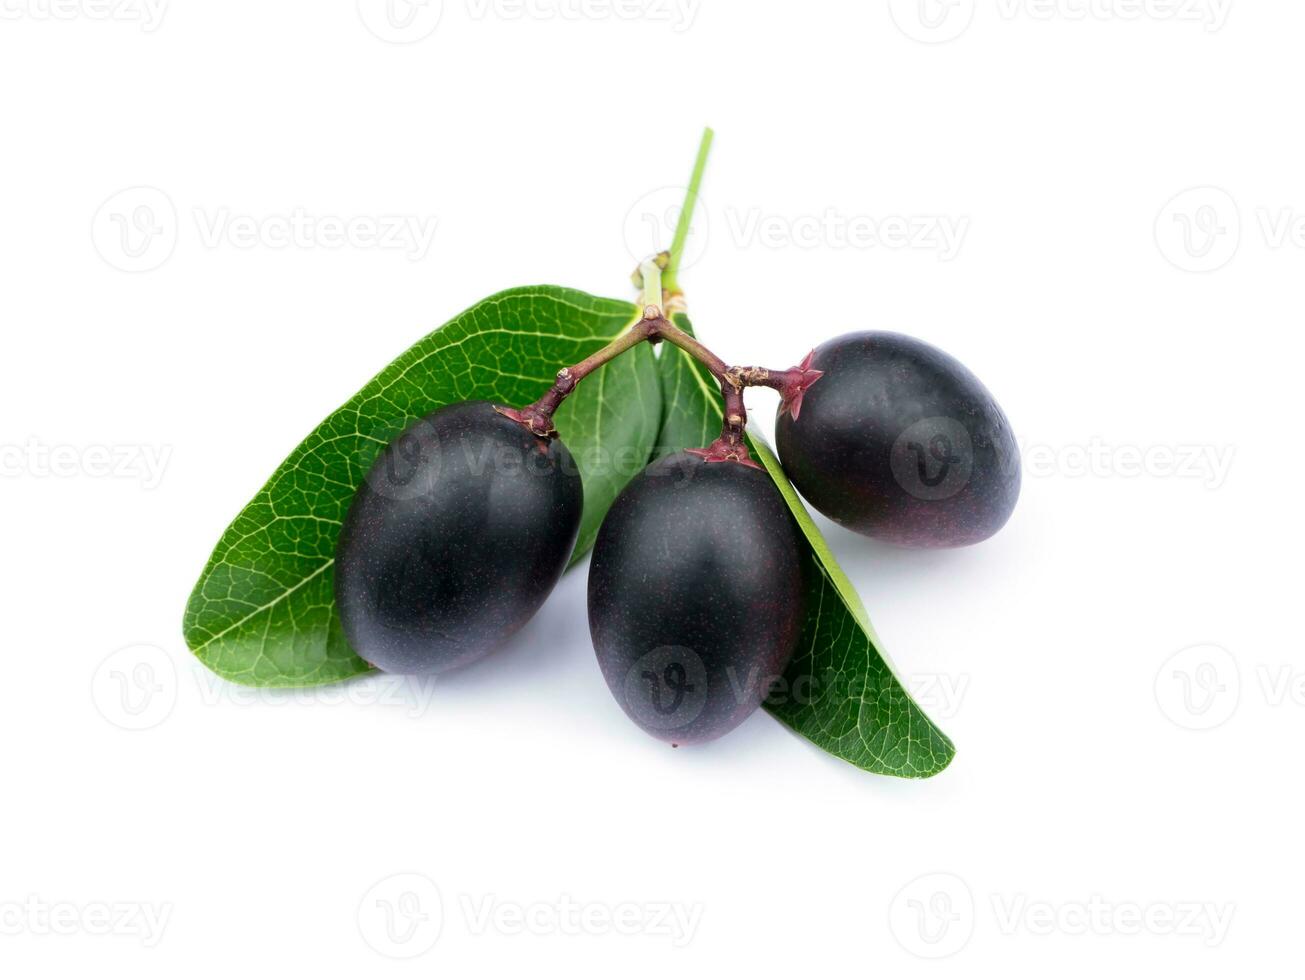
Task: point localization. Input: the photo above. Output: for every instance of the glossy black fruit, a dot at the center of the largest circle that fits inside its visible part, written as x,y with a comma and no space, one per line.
899,441
695,596
460,531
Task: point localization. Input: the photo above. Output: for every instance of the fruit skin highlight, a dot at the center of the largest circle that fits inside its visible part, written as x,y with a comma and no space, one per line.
695,595
899,441
460,531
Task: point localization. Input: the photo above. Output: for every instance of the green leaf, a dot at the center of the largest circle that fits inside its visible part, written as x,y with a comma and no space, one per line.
839,690
263,611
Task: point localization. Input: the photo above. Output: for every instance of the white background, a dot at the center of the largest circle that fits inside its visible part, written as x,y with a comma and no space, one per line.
1151,375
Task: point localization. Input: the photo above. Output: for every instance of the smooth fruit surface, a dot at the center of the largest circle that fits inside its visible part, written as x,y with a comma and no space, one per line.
900,441
695,595
462,528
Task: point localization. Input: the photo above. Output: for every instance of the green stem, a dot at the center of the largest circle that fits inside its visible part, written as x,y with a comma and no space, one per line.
671,278
651,273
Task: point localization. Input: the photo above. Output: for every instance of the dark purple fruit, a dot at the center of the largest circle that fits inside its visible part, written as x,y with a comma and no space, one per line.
460,531
899,441
695,595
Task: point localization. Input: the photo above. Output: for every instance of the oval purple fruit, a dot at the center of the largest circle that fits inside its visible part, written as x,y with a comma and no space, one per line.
695,595
460,531
899,441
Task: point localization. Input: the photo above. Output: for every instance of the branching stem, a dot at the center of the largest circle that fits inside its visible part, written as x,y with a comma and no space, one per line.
654,327
657,279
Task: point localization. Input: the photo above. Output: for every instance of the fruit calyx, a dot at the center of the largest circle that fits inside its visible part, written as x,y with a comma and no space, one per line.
724,451
538,417
795,383
537,422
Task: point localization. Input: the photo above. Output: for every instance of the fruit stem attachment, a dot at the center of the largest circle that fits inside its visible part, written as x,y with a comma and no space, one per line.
790,384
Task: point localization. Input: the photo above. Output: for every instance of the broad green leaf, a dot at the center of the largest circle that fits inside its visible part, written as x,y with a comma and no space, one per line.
263,611
839,690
